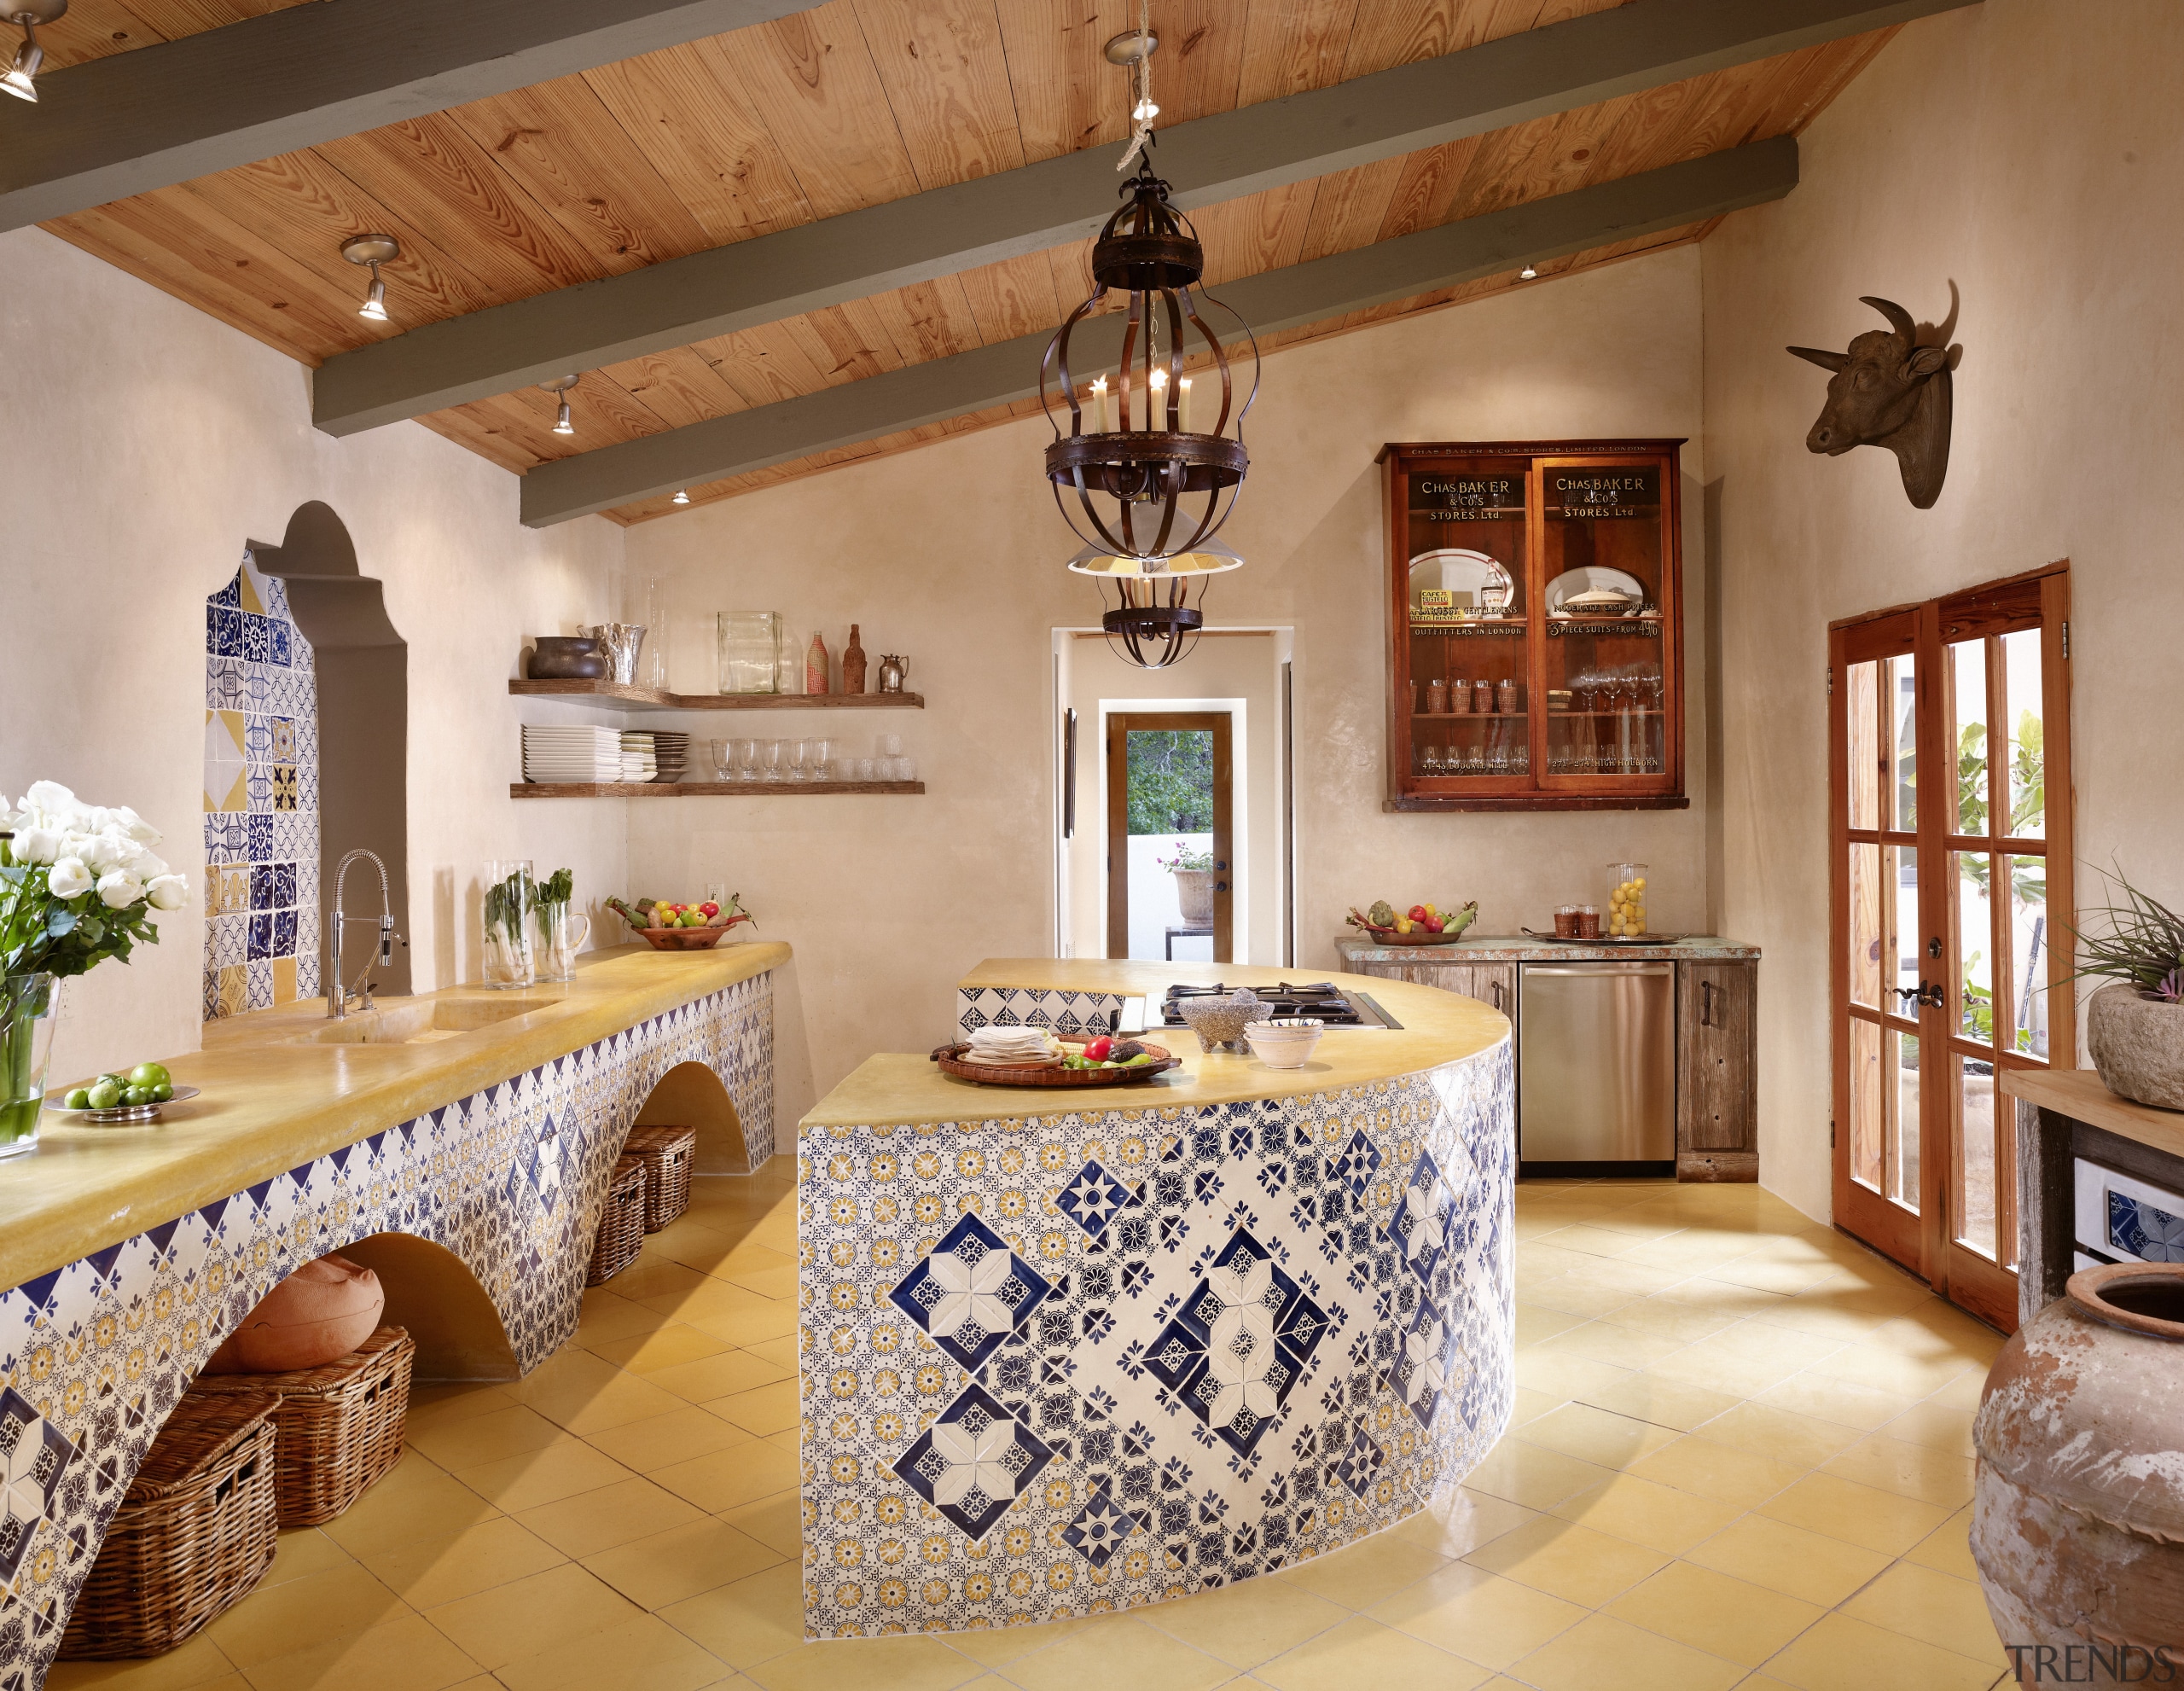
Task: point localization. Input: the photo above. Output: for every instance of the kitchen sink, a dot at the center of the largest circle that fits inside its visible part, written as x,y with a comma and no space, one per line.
417,1021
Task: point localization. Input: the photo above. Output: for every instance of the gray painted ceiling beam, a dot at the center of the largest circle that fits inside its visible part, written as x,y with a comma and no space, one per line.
136,121
1562,67
1326,288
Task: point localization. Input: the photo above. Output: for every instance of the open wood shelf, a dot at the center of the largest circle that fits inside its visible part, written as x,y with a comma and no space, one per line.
702,789
614,694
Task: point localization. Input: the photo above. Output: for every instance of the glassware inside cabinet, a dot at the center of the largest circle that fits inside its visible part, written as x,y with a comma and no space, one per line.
1466,617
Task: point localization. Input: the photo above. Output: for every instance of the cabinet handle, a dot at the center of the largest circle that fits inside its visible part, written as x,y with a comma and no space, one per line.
1705,1004
1497,994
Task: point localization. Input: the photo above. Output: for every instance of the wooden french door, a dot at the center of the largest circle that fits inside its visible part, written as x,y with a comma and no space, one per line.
1948,967
1142,725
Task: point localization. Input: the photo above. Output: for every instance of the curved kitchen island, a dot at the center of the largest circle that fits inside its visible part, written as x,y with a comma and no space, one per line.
1073,1350
459,1142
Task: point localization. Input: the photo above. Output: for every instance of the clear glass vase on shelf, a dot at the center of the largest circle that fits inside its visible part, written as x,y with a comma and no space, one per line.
510,892
750,651
28,1003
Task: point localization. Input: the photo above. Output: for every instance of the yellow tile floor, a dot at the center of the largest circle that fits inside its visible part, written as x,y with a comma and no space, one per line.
1740,1455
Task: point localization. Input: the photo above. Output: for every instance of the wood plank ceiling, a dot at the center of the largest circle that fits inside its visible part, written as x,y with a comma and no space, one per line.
853,103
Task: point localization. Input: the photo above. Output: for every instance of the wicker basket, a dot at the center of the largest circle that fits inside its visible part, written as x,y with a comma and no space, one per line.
340,1426
194,1534
621,1225
670,1154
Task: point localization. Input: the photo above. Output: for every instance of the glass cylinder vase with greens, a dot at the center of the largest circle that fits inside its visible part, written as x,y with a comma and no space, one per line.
560,930
78,885
510,892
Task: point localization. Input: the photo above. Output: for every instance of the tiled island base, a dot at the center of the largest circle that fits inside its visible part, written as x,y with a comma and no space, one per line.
94,1354
1059,1365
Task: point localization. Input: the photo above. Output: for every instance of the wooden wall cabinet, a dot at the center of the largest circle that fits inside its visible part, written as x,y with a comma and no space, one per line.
1509,688
1717,1072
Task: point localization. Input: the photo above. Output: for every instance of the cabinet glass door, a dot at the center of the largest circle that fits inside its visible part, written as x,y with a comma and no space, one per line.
1465,611
1607,614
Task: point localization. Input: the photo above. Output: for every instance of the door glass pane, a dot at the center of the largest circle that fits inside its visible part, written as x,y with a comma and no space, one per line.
2029,955
1865,925
1466,612
1974,944
1903,1146
1977,1198
1862,720
1868,1120
1968,671
1902,921
1901,675
1170,801
2028,756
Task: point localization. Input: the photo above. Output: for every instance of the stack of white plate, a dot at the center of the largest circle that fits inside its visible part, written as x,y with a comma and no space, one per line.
636,756
570,753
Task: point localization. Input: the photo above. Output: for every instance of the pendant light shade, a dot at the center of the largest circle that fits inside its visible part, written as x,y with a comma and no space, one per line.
372,250
560,386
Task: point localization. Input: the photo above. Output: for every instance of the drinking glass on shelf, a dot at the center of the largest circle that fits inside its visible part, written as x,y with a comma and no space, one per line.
1429,761
907,768
769,761
865,767
889,745
723,753
822,758
747,760
798,751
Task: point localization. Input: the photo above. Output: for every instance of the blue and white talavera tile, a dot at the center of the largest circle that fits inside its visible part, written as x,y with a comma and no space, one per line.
1070,1016
1071,1363
511,1180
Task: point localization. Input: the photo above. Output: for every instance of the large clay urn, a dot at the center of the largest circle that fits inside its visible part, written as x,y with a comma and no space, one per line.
2077,1523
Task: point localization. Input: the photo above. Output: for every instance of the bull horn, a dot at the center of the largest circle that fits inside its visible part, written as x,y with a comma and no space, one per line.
1827,361
1898,318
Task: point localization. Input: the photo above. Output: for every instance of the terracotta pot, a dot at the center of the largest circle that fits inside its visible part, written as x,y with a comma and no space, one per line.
317,1315
2138,1046
556,657
1194,892
2077,1522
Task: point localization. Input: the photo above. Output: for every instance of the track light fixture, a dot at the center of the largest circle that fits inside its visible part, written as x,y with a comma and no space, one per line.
682,495
560,385
21,79
373,250
1528,273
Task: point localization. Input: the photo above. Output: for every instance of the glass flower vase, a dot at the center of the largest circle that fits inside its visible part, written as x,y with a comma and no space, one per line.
27,1007
560,932
510,892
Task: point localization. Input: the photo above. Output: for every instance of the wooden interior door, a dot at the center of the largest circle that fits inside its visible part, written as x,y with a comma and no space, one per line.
1946,975
1119,729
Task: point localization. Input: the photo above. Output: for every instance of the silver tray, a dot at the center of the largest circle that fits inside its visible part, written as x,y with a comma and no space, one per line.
121,1115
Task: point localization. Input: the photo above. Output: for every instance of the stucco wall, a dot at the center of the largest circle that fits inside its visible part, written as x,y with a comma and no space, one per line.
145,444
953,554
2027,152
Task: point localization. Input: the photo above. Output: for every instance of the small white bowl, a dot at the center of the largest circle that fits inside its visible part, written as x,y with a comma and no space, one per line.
1286,1044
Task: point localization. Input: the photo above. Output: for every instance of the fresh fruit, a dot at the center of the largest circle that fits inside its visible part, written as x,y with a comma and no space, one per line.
134,1095
1431,924
79,1098
163,1093
1382,915
148,1074
1418,913
1098,1049
693,918
711,909
1404,924
105,1095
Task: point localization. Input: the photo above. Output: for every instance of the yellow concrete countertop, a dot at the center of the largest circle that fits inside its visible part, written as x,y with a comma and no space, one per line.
272,1098
1437,1028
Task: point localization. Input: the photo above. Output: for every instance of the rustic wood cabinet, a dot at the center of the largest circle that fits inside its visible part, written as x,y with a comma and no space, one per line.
1494,984
1534,625
1717,1074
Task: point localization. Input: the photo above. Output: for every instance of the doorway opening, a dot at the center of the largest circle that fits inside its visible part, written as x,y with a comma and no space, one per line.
1950,840
1170,849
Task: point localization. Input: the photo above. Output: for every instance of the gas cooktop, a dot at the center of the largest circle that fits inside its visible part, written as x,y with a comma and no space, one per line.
1322,1000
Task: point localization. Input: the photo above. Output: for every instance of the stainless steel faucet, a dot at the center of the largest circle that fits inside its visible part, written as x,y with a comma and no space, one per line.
338,996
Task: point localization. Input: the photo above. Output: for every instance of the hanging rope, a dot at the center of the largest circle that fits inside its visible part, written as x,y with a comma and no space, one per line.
1142,110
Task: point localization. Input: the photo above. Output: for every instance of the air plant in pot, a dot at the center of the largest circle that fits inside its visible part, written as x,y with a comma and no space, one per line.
2134,1025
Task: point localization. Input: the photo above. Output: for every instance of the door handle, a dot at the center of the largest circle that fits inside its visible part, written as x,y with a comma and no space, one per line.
1924,993
1497,993
1705,1004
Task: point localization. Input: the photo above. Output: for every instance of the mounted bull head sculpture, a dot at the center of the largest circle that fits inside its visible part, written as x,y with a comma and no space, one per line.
1888,391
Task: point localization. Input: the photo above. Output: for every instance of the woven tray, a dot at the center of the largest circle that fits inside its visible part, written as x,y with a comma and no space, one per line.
196,1531
669,1154
340,1428
621,1233
984,1074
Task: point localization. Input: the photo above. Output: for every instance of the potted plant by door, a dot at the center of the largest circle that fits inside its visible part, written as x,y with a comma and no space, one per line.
1193,873
2135,1025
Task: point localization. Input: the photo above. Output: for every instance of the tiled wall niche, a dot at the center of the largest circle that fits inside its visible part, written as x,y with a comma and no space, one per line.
261,799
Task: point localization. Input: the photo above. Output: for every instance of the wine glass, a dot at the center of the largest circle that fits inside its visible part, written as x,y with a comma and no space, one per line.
769,761
1429,762
798,751
823,758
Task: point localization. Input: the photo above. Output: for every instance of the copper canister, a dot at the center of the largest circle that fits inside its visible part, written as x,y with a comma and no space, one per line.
1460,697
1505,698
1482,697
1436,698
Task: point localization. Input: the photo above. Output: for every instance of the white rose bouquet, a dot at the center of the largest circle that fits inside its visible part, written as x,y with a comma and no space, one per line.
77,885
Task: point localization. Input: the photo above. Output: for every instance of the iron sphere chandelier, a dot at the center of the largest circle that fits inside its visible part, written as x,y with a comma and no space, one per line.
1148,466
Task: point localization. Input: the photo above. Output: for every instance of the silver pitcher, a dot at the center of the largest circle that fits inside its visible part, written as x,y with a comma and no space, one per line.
622,640
892,670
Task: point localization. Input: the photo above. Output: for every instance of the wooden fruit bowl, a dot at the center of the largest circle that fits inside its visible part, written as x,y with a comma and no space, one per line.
688,939
949,1057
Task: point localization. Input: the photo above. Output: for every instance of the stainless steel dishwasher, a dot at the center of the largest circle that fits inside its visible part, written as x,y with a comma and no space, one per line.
1597,1074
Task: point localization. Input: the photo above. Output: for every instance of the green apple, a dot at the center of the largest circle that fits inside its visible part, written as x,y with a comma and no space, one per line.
148,1074
106,1094
79,1098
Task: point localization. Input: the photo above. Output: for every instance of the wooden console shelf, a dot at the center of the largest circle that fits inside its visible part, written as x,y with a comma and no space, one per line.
702,789
614,694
